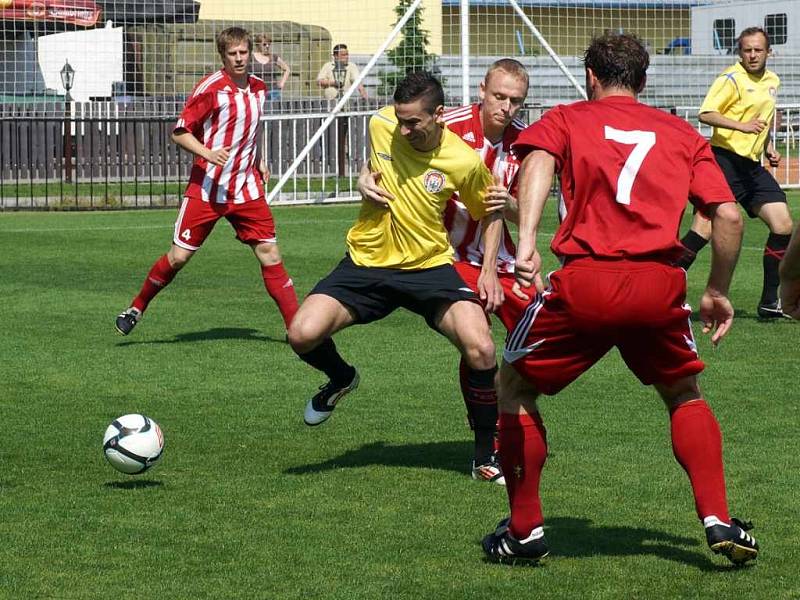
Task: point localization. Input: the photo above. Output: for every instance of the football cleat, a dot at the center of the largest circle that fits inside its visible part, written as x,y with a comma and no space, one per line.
489,471
127,320
501,547
732,540
320,407
771,311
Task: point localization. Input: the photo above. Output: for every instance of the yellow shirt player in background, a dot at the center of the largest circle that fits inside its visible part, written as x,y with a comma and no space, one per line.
740,106
398,252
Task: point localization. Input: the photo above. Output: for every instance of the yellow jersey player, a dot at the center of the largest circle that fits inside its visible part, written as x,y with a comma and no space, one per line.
398,253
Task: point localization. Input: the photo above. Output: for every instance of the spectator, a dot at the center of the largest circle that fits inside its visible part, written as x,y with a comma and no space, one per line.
339,74
269,67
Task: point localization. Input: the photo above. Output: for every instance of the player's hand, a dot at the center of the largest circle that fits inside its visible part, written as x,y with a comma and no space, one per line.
264,170
716,313
773,156
755,125
219,156
369,188
790,298
490,291
497,198
527,271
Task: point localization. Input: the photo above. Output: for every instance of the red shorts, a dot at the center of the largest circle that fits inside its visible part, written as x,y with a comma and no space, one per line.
512,307
252,222
590,307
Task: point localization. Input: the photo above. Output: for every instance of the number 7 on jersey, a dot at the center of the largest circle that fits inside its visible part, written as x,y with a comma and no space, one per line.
642,142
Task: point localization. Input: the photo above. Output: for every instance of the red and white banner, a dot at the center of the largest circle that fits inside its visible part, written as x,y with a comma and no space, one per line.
77,12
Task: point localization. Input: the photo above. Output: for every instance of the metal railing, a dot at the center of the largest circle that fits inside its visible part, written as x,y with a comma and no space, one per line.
112,162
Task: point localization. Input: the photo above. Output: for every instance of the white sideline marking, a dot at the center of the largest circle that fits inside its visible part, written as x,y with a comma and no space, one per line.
281,224
165,226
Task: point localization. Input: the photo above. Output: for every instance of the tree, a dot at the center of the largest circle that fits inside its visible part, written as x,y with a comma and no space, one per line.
410,54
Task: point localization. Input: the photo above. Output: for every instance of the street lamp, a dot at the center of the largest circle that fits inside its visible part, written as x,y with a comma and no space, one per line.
67,79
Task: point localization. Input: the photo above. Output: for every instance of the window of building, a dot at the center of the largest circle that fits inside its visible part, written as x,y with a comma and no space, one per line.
776,27
724,35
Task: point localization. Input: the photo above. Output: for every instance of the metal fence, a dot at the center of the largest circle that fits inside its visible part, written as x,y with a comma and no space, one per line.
73,161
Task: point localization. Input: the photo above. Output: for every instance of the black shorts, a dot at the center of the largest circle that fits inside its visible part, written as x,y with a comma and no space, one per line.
375,292
752,185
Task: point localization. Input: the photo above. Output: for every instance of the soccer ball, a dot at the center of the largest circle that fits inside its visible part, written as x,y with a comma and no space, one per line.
133,443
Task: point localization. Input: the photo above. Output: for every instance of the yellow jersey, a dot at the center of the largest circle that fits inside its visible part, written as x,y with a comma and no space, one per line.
738,95
410,233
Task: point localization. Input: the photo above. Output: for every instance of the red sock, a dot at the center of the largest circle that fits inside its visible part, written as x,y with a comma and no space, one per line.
523,450
279,285
697,444
161,273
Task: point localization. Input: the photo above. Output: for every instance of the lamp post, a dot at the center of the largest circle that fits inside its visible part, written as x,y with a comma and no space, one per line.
67,79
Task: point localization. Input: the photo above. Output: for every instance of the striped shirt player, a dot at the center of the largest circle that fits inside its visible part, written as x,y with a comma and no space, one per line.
466,234
219,114
221,125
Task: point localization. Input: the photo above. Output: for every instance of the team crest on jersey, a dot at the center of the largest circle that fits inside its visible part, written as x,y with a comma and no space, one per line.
773,92
434,181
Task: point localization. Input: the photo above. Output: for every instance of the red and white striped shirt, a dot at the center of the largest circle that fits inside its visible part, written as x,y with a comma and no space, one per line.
466,234
219,114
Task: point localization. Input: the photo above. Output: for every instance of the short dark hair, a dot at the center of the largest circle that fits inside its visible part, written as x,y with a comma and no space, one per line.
233,35
752,31
618,60
339,47
420,84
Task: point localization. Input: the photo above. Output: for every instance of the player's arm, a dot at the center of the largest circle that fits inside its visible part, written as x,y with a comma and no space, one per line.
790,277
773,156
716,311
489,288
186,140
535,181
260,162
715,119
499,198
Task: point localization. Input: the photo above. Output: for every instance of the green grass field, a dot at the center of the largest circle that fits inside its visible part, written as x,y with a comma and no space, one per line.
248,502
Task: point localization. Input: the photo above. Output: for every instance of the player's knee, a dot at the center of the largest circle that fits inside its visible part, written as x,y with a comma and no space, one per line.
480,353
303,335
267,253
677,392
178,257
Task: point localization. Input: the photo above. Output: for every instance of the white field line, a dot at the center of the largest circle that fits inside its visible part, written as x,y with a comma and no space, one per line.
281,224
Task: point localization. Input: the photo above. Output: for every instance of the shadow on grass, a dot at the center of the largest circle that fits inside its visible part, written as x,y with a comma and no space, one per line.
742,313
218,333
133,484
574,537
448,456
568,537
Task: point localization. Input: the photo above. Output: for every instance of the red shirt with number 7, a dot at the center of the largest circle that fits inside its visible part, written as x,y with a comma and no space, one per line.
626,171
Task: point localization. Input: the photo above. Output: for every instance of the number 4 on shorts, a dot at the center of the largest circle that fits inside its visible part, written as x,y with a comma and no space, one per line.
186,234
642,141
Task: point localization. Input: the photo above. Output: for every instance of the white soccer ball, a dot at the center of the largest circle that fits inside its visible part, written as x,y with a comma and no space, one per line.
133,443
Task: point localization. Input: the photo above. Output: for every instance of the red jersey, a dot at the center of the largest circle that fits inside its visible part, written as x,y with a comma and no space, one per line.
626,170
219,114
466,234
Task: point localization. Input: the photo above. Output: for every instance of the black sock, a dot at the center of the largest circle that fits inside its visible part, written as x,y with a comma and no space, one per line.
481,400
692,242
325,358
774,250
